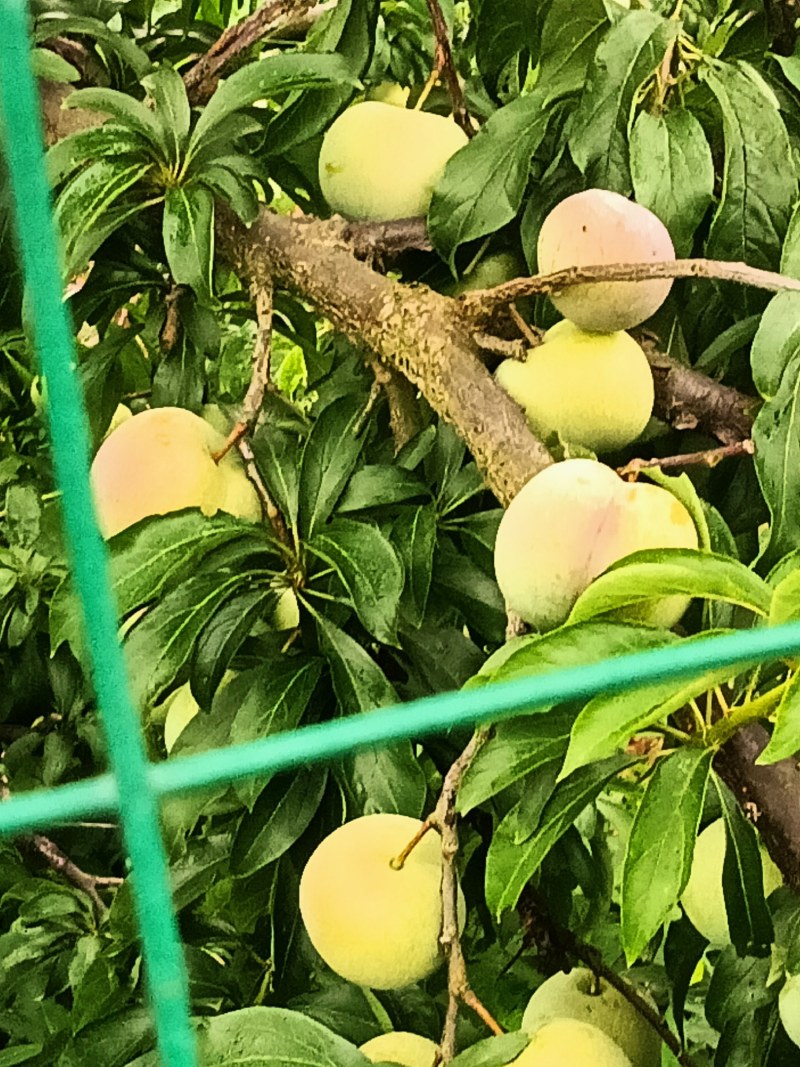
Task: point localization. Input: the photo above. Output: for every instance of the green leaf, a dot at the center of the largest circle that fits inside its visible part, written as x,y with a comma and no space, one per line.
759,183
569,40
230,187
369,569
609,720
738,987
502,31
50,65
664,572
161,644
127,111
189,236
777,443
267,77
358,681
494,1051
749,920
385,780
330,455
414,538
598,133
87,211
484,182
61,23
172,110
267,1037
276,453
280,815
658,857
517,748
465,586
509,864
673,172
776,344
378,484
109,140
785,740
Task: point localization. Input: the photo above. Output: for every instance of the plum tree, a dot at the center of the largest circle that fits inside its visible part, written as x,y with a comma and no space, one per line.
571,1043
789,1007
592,389
597,227
373,924
568,524
162,460
703,898
579,995
401,1048
382,162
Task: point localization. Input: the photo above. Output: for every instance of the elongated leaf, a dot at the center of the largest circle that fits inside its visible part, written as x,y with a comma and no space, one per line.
369,569
62,23
517,748
673,172
281,814
264,79
111,139
268,1037
568,646
749,921
358,681
503,30
785,740
569,39
172,110
385,780
228,186
377,484
127,111
484,182
189,236
777,442
598,137
658,857
276,452
331,452
510,864
610,720
414,538
759,183
664,572
162,643
776,344
493,1051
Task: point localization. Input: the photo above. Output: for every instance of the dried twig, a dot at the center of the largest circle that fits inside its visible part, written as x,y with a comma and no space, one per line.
561,943
480,305
710,458
444,64
444,819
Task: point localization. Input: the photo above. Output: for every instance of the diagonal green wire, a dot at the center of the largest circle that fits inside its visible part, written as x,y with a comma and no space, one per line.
163,954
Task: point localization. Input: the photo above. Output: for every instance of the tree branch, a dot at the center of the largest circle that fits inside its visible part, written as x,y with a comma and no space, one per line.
709,458
444,64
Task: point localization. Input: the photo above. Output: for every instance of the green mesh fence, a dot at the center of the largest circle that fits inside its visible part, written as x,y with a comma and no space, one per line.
134,787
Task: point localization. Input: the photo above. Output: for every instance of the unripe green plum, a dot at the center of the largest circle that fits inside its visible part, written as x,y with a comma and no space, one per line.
598,227
181,708
592,389
568,524
579,995
789,1008
160,461
492,270
375,925
571,1043
703,898
380,162
401,1048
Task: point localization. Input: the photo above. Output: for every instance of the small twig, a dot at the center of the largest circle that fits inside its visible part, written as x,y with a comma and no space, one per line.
60,862
170,330
444,819
201,80
444,64
480,305
273,514
522,326
536,917
516,349
710,458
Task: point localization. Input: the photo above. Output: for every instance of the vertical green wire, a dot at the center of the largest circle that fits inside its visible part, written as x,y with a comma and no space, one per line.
163,953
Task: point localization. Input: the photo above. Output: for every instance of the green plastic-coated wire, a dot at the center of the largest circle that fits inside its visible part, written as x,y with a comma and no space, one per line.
163,953
418,718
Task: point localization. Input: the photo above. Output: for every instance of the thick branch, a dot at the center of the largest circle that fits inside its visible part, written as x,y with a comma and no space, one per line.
411,329
369,240
768,795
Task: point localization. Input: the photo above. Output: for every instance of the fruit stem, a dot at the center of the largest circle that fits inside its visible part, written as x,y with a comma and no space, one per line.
399,862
